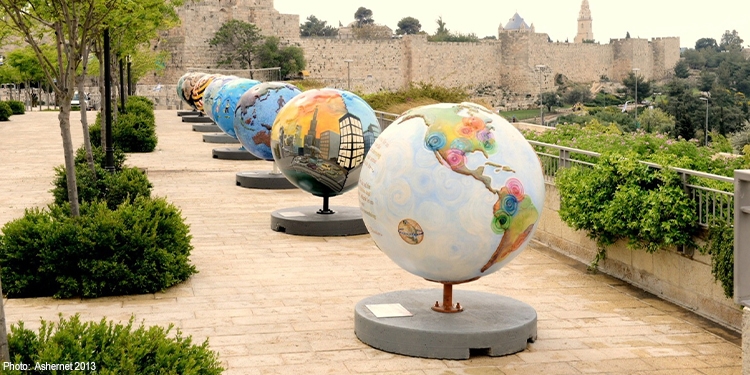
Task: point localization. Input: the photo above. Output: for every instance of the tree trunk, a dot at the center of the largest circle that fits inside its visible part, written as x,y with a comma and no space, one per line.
4,349
82,99
70,167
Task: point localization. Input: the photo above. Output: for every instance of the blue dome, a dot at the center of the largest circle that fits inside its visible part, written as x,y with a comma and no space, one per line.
516,23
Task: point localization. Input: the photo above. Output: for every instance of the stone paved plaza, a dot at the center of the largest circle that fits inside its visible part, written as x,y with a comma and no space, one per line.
272,303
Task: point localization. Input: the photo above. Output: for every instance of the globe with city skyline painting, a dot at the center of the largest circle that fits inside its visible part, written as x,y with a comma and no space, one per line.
451,192
256,113
225,103
320,138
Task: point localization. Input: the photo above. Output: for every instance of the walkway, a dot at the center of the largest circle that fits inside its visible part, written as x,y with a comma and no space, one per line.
278,304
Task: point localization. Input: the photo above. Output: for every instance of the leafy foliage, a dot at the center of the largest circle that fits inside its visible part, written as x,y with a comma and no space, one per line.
644,87
17,107
238,41
681,69
134,130
113,348
443,34
408,26
720,244
363,16
621,198
291,59
138,248
315,27
5,111
385,99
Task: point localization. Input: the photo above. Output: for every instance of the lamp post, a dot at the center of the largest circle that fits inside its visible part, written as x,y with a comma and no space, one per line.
636,96
348,75
706,100
541,102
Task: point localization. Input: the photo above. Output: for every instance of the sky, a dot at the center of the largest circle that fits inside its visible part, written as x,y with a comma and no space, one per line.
611,19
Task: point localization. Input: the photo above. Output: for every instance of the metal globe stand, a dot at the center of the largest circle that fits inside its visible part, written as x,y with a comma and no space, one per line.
192,112
201,118
206,128
219,138
229,153
316,221
273,179
487,324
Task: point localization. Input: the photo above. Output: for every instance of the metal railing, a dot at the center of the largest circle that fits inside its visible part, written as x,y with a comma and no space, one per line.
385,119
709,202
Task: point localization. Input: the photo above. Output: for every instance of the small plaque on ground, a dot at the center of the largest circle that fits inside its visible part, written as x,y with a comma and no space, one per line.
388,310
291,214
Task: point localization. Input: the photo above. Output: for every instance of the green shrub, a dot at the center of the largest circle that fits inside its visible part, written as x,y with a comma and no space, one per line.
720,245
621,198
133,131
17,107
100,156
383,100
141,247
5,111
140,99
107,348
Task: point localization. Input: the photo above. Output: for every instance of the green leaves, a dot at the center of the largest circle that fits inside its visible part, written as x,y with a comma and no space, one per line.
238,40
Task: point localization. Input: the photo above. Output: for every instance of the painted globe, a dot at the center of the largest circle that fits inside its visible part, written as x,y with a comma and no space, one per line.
225,103
320,138
187,87
179,86
199,89
210,94
451,192
256,113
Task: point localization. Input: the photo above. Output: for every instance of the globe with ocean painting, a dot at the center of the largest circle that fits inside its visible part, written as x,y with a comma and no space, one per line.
225,103
451,192
256,113
320,139
210,94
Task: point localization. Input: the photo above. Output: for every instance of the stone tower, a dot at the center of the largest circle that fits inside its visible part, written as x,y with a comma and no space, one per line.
584,24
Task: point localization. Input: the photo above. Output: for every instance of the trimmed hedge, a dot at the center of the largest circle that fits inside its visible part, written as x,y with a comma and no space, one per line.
17,107
134,130
141,247
5,111
107,348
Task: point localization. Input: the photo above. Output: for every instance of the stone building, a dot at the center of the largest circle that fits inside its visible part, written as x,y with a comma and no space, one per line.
516,24
585,32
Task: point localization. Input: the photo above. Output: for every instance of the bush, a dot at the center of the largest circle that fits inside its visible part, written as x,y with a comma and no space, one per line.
17,107
133,131
5,111
140,99
383,100
141,247
108,348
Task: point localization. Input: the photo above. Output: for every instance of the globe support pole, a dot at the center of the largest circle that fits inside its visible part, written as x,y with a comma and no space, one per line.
325,210
447,306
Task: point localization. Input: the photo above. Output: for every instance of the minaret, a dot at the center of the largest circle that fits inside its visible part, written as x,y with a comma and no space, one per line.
584,23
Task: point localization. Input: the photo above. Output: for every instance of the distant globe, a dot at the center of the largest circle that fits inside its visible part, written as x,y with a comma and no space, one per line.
451,192
210,94
199,89
179,86
256,113
187,87
320,138
225,103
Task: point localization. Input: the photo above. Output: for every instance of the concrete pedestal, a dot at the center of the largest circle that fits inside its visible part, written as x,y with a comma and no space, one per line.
305,221
228,153
490,324
263,180
219,138
197,119
206,128
187,113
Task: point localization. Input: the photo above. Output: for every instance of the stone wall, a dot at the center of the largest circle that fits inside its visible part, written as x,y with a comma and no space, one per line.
670,275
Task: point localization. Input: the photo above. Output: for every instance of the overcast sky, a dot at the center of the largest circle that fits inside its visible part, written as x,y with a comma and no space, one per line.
689,20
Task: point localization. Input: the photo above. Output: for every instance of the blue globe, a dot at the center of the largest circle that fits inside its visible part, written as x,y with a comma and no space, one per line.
210,94
256,112
225,103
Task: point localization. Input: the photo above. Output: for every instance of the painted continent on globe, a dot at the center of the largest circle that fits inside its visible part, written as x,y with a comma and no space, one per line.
451,192
256,112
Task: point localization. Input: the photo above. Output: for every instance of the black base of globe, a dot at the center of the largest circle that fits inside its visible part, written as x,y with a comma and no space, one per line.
188,113
219,138
263,180
306,221
197,119
206,128
228,153
489,325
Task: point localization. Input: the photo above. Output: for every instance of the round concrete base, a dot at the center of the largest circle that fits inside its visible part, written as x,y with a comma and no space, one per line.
219,138
263,180
198,119
489,325
188,113
228,153
305,221
206,128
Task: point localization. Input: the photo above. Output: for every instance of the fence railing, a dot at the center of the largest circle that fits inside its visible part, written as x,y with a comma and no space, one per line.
709,202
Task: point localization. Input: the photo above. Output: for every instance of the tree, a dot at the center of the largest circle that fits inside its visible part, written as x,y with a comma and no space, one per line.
656,120
731,41
681,69
290,59
577,94
239,41
409,26
707,80
627,35
363,16
706,43
315,27
550,99
441,30
644,87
